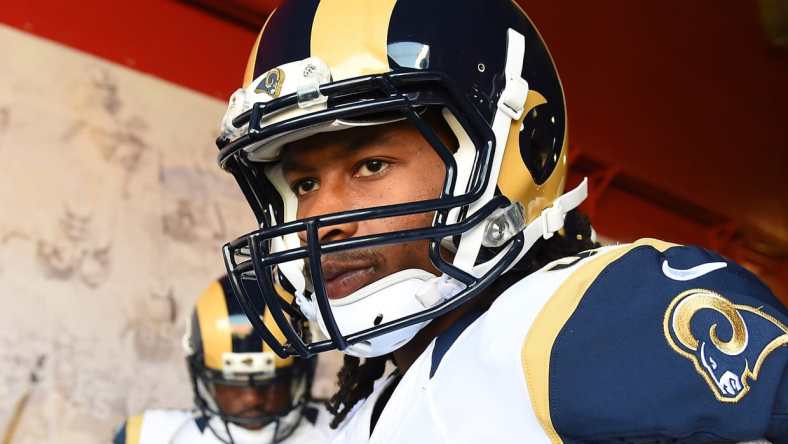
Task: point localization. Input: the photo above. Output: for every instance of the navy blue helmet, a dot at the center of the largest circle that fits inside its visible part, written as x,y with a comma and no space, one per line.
332,65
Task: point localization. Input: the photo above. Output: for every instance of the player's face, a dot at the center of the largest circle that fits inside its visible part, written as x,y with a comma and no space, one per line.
252,402
363,168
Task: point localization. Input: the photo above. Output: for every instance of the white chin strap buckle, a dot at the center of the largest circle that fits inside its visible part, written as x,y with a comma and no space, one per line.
438,290
552,219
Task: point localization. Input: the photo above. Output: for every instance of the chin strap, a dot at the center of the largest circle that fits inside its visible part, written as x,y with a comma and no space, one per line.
442,288
552,217
510,108
544,226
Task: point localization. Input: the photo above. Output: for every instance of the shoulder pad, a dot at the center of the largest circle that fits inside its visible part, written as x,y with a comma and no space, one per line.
657,340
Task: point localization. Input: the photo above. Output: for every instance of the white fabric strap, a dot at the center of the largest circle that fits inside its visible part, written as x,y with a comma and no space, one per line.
515,90
512,101
552,217
549,221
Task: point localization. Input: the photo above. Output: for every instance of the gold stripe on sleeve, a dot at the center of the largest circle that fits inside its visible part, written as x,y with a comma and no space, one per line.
548,324
133,428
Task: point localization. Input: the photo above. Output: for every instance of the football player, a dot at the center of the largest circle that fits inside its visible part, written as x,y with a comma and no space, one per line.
406,162
243,392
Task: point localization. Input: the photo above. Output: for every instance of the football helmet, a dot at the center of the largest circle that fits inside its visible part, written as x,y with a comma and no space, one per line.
331,65
221,349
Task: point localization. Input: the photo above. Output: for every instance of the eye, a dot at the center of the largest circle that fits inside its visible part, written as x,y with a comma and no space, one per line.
305,186
372,167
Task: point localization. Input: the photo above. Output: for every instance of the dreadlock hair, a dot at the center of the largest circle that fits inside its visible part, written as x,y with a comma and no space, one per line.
356,379
355,383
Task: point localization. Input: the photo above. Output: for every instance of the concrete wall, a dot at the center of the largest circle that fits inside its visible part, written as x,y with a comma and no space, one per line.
112,215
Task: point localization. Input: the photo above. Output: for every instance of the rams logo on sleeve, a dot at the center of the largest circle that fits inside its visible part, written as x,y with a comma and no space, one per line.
727,343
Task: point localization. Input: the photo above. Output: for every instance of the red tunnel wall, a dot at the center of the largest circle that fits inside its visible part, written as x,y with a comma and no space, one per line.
684,97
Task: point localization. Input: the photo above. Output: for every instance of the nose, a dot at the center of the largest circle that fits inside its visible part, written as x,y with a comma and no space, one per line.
330,200
332,233
251,397
272,402
337,232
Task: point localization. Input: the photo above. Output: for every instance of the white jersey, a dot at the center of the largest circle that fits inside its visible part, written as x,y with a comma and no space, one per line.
184,427
586,349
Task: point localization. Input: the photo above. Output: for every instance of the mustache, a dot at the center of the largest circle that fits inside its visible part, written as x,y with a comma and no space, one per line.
258,408
256,411
254,415
369,257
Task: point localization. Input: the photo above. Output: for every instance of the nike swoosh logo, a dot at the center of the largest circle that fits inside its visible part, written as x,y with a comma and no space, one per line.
689,274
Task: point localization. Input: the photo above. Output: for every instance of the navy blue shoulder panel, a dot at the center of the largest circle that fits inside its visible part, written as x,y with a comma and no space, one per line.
445,340
682,345
120,435
201,422
311,413
778,426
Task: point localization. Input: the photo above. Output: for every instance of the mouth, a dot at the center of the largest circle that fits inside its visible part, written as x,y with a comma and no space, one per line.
341,281
252,413
253,419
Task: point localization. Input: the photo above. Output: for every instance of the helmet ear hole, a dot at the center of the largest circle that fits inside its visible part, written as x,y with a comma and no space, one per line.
541,140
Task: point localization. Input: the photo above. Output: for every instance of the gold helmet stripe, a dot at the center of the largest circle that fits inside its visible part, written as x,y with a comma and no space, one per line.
351,36
249,73
214,325
516,182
